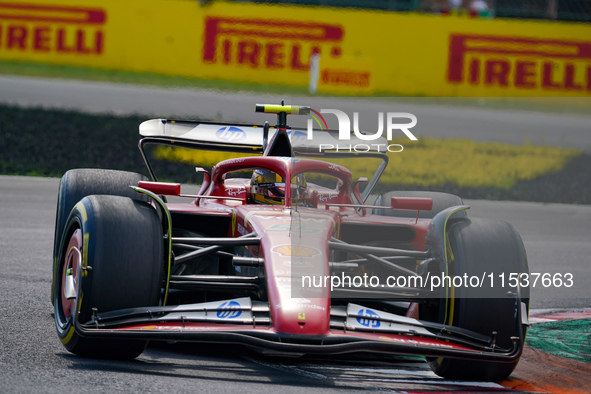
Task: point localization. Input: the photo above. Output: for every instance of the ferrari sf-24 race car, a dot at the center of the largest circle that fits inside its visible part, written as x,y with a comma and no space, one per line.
280,251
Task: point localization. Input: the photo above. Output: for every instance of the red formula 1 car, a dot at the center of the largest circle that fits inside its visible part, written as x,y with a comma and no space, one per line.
278,251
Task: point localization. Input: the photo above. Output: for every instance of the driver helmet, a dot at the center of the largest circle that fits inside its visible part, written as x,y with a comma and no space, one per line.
267,187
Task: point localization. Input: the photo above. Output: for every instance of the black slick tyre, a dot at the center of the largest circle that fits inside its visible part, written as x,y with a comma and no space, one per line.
111,258
484,247
79,183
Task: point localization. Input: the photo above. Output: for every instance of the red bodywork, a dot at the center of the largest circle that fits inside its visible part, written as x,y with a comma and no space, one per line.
273,224
234,271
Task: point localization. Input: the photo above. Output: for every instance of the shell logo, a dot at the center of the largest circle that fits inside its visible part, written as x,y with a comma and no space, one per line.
296,250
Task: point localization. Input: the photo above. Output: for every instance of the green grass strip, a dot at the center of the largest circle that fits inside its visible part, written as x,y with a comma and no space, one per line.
49,142
570,338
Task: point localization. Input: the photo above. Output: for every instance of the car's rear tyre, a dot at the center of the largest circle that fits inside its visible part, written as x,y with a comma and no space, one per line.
483,247
441,201
79,183
112,257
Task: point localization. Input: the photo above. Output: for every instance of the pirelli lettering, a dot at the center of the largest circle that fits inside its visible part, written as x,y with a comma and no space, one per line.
335,51
268,44
521,63
35,28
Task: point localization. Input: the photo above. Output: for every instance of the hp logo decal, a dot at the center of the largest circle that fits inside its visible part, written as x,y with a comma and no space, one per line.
229,310
230,134
370,318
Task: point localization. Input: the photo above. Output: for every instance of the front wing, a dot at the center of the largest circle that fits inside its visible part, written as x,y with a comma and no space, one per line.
352,329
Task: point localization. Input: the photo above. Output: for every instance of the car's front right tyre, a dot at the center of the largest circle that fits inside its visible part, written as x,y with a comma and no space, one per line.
110,258
81,182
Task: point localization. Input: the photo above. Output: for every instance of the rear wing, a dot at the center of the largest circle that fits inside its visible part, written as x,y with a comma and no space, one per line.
242,138
227,137
249,136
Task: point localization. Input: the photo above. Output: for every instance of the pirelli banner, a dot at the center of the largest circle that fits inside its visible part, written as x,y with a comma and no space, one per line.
358,52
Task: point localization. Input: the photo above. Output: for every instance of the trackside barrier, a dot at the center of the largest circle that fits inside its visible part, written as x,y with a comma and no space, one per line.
360,51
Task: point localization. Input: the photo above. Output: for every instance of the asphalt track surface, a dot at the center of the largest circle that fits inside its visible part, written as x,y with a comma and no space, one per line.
437,118
32,359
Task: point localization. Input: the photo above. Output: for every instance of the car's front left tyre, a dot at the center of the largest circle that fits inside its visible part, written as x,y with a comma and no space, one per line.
486,249
110,258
